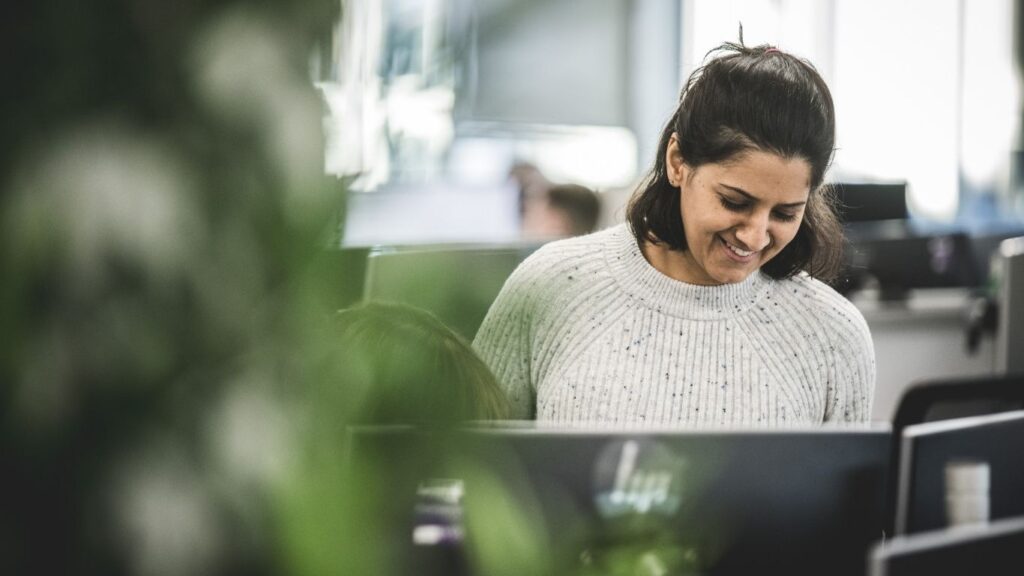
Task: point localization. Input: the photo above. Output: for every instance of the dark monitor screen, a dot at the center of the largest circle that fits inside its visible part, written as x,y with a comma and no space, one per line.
909,262
997,439
726,502
992,549
868,202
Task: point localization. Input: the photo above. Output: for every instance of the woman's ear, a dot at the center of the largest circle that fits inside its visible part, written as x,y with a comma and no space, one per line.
675,167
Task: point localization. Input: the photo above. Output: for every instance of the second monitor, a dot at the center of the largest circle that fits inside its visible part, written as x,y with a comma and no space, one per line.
996,440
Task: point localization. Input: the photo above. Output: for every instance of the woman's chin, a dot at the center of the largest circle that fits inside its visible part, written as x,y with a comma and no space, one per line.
732,276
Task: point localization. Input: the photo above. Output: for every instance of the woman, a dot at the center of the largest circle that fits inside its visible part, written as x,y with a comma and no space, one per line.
709,306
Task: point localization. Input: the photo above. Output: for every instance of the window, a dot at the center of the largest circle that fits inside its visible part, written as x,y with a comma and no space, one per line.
925,90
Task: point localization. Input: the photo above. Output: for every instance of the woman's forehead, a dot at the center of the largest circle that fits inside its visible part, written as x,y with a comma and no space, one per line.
763,175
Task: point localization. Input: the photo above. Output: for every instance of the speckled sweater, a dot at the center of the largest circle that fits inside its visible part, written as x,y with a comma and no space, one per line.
586,330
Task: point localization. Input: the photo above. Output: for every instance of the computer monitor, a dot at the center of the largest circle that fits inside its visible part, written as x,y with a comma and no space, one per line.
992,549
870,201
996,439
726,502
457,283
908,262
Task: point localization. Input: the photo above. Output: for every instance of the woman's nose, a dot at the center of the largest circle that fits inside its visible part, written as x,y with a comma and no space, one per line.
754,233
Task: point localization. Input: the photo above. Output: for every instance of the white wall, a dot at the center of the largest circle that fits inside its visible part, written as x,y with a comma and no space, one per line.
922,339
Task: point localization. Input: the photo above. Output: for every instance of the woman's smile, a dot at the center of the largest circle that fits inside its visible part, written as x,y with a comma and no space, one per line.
737,253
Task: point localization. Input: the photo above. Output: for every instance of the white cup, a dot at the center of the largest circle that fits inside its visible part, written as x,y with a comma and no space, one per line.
967,487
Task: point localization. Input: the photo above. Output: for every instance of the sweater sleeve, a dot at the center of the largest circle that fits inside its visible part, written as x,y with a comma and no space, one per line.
504,342
852,388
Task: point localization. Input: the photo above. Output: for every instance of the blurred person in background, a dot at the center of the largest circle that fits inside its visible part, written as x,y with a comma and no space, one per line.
563,210
391,365
549,210
404,366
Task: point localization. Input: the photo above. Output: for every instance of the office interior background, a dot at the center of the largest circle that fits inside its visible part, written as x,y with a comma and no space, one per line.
188,190
432,103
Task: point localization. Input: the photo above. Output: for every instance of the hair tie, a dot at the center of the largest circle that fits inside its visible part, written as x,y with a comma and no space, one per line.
770,50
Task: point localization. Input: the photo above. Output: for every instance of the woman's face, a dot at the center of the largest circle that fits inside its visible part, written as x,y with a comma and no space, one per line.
738,214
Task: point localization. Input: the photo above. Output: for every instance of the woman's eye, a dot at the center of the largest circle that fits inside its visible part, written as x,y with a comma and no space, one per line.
730,205
785,216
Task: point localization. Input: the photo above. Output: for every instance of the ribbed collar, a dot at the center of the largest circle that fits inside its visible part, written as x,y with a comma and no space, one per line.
646,284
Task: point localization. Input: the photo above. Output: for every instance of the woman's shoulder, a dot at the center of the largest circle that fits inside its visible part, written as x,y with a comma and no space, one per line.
815,292
814,299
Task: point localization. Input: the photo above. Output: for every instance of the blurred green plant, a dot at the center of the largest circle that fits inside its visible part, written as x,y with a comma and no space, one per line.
164,214
166,299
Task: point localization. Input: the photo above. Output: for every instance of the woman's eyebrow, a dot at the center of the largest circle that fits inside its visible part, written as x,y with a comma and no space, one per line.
752,198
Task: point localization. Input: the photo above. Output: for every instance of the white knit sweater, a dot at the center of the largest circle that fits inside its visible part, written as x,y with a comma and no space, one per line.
586,330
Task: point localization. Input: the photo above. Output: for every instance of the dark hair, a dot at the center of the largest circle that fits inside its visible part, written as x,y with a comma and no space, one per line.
411,368
746,99
580,204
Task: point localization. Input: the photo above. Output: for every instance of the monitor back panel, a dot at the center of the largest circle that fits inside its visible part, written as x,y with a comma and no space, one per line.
795,502
457,284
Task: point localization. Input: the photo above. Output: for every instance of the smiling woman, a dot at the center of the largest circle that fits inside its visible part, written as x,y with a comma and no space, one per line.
737,216
710,305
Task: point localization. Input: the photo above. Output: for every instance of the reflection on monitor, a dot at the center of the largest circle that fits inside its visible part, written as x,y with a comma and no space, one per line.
992,549
714,502
996,439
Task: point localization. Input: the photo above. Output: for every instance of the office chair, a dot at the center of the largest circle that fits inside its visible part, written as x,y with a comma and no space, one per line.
933,400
